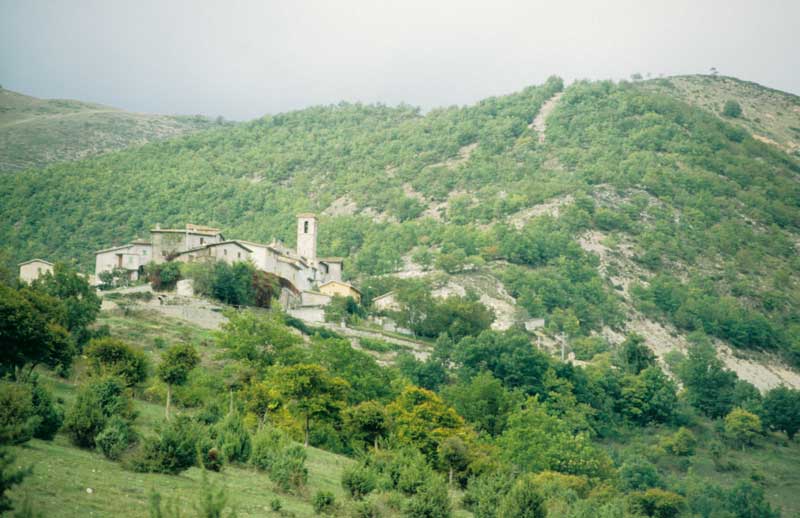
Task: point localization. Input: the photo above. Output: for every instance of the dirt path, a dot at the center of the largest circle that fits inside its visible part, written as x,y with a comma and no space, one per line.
540,122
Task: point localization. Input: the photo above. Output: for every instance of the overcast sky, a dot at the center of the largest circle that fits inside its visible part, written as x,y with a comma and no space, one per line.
242,59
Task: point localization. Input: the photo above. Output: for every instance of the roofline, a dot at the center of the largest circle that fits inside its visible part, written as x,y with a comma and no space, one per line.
343,284
379,297
331,259
120,247
35,260
185,231
307,215
229,242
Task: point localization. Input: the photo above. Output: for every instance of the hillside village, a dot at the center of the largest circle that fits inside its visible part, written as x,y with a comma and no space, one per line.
307,282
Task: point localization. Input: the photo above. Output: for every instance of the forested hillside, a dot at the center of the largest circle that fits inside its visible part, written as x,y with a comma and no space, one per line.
633,198
36,132
654,240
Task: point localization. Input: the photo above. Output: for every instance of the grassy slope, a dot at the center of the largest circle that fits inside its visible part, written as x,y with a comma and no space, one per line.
769,115
62,472
35,132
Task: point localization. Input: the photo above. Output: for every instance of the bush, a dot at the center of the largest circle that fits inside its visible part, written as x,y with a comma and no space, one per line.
324,502
51,417
283,461
18,419
96,402
173,450
232,439
741,427
430,501
656,503
681,443
638,474
523,501
484,493
732,109
116,438
114,357
358,481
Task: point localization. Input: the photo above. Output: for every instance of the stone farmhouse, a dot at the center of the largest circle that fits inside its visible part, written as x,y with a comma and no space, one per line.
307,280
31,270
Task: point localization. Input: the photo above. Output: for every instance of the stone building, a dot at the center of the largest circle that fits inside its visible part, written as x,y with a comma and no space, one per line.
299,270
31,270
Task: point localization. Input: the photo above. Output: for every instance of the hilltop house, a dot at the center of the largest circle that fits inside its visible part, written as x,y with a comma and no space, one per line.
301,271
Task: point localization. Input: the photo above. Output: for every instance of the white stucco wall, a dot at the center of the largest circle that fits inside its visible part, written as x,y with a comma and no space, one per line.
31,271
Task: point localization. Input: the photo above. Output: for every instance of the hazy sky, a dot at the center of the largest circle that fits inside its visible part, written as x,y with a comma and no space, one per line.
242,59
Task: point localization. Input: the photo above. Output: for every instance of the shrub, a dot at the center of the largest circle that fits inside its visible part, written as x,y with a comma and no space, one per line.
638,474
18,419
485,492
51,417
523,501
275,504
116,358
732,109
173,450
324,502
358,481
116,438
283,461
232,439
96,402
681,443
656,503
430,501
365,509
741,427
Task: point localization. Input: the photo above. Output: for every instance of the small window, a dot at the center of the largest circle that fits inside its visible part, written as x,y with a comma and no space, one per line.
144,252
239,255
224,251
305,227
202,241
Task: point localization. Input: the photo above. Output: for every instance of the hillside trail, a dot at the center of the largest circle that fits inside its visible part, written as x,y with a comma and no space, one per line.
540,121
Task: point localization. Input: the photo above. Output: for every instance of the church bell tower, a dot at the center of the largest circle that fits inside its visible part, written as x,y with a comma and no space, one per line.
307,237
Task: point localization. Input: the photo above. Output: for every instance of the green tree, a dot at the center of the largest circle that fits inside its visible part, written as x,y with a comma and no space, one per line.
176,364
261,399
634,355
114,357
420,418
81,303
483,401
258,339
32,331
741,427
523,501
367,421
536,441
781,410
709,386
453,455
311,392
